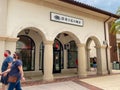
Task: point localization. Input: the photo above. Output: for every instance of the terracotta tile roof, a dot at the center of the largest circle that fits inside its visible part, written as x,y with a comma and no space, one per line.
79,4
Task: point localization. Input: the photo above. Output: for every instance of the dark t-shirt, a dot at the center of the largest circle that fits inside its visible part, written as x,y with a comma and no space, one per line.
5,63
14,69
94,62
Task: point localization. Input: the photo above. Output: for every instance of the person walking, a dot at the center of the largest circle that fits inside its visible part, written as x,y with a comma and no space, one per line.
15,73
94,63
6,65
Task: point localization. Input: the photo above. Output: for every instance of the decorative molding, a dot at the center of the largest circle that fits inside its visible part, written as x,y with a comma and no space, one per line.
12,39
109,47
103,46
48,42
8,39
81,45
3,38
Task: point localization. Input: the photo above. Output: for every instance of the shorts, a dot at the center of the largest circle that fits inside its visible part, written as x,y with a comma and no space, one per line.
4,80
94,65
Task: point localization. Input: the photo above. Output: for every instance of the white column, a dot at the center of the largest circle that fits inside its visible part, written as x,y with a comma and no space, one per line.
82,66
109,60
65,59
88,59
101,60
48,61
37,58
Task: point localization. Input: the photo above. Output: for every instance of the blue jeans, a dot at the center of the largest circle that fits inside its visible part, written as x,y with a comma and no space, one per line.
16,86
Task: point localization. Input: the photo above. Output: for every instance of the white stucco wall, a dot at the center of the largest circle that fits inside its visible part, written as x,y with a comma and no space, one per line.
23,14
3,15
92,50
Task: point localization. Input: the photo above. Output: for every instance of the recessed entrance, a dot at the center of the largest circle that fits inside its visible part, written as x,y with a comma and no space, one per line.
26,46
57,56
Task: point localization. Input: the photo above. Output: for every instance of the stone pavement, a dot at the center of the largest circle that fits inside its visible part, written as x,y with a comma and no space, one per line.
68,85
107,82
111,82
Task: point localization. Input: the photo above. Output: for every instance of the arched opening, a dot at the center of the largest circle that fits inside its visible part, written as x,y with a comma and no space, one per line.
57,56
26,46
30,45
66,52
93,56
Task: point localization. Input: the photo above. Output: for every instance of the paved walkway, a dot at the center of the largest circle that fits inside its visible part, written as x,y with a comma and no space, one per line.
111,82
108,82
68,85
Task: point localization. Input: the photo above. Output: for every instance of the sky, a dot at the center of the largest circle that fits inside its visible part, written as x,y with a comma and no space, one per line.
107,5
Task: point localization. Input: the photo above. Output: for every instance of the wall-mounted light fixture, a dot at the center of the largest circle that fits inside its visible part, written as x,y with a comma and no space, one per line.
27,31
67,46
105,42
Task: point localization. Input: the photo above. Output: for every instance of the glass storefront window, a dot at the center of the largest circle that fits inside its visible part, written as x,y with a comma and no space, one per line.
72,55
26,47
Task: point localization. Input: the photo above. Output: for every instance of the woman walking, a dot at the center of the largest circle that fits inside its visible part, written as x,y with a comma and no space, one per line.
15,73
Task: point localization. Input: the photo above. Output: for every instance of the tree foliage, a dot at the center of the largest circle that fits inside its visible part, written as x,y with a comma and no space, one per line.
118,11
115,25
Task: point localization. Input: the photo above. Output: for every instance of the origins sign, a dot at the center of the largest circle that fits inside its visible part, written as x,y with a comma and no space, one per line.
65,19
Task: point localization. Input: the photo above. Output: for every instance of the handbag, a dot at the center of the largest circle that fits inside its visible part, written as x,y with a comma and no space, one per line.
12,79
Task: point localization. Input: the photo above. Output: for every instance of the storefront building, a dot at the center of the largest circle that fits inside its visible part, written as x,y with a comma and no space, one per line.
52,35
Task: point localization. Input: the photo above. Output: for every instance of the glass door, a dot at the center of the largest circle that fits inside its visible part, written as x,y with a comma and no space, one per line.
57,61
57,58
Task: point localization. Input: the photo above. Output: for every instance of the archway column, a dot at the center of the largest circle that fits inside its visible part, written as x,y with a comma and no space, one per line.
101,60
48,61
37,66
109,60
82,66
88,59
